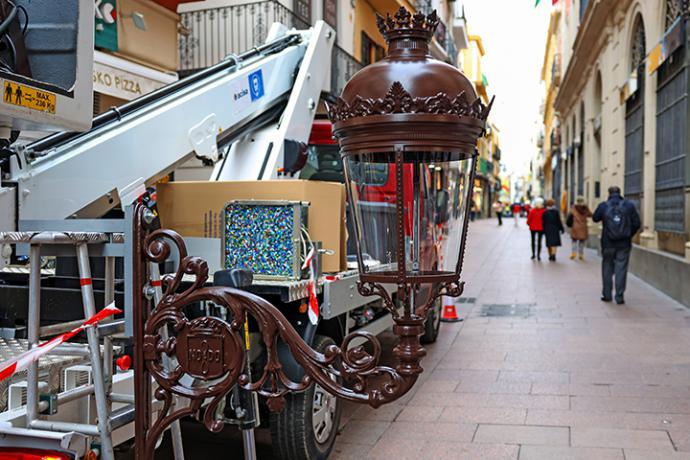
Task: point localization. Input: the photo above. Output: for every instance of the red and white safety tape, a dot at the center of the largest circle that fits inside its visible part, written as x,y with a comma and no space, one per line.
313,310
22,362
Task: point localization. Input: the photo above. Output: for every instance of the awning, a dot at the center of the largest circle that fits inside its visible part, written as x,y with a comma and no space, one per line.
125,79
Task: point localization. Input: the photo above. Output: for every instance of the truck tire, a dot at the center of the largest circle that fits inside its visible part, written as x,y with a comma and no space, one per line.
432,325
295,433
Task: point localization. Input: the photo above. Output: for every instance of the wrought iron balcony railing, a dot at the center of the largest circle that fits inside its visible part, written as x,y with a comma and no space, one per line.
212,34
443,36
343,67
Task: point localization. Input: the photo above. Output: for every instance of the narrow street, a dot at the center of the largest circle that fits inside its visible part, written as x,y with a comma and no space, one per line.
564,376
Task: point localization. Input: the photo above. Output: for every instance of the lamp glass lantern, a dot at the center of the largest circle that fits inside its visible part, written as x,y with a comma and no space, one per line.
407,127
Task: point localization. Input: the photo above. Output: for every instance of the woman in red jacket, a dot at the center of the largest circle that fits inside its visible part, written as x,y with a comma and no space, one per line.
536,226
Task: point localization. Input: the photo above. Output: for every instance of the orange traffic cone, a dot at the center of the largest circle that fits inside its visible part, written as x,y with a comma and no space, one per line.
450,313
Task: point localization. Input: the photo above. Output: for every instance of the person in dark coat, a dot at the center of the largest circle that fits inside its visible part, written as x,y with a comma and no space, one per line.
553,227
621,222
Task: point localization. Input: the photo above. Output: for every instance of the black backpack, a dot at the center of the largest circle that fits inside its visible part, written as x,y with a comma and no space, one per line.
617,222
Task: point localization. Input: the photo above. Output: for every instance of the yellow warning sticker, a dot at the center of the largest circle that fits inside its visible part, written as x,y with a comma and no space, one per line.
31,98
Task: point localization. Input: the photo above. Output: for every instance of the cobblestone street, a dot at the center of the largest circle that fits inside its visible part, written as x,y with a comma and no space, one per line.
570,377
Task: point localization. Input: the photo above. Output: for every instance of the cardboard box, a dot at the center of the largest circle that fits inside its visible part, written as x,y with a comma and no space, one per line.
194,209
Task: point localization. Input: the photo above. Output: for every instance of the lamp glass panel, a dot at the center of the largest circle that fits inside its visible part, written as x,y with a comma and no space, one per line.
435,207
372,186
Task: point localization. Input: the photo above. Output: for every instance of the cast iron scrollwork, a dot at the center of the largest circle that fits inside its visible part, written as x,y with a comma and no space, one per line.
208,353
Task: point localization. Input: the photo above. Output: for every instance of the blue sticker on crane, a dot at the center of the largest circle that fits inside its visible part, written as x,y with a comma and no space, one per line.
256,85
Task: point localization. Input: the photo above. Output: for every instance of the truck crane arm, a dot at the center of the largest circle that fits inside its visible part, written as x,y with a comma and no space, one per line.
273,87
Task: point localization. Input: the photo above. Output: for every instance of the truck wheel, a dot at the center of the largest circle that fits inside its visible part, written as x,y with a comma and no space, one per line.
433,323
307,426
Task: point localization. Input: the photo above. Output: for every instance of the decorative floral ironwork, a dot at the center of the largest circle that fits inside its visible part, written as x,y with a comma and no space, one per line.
674,9
208,354
399,100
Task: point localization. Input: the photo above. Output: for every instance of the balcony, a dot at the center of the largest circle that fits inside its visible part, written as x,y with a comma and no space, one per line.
445,41
343,67
556,70
209,35
443,36
555,138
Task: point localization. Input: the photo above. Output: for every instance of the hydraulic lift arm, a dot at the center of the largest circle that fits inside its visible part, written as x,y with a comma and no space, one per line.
86,174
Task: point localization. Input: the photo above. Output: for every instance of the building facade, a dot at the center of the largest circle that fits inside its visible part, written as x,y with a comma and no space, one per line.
487,185
124,69
621,110
550,137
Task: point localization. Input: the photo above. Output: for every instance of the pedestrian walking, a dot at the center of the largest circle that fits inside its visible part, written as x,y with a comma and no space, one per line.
553,227
517,209
621,222
536,226
498,209
577,221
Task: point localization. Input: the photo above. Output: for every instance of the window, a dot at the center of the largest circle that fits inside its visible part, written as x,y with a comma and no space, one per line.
634,116
673,12
671,142
371,51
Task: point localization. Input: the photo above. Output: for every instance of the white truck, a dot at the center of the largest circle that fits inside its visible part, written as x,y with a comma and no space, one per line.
239,117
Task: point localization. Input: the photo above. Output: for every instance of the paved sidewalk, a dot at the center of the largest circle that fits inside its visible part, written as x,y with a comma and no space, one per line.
573,378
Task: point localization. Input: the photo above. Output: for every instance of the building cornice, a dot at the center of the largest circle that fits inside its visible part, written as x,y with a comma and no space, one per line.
551,35
591,37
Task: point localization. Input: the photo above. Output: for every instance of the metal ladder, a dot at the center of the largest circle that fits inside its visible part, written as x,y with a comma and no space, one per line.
101,368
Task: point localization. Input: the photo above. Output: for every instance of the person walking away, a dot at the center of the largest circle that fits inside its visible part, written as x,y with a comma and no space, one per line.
621,222
536,226
553,227
577,221
498,209
517,209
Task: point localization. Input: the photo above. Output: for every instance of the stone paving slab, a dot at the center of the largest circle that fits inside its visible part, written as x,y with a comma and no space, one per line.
573,378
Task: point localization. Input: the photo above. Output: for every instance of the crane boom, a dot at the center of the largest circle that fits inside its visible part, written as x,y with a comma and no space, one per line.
271,87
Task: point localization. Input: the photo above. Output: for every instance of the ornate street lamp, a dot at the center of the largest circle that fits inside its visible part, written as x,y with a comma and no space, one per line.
408,127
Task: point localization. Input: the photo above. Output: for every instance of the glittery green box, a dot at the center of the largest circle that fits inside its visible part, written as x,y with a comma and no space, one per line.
264,237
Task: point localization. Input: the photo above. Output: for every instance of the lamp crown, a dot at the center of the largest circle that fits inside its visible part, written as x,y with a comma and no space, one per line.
409,97
407,25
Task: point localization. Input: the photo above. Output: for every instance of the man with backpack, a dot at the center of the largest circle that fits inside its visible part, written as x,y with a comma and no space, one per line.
621,222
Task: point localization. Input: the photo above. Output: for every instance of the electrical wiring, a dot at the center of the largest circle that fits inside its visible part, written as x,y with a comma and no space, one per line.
304,237
26,18
7,40
5,24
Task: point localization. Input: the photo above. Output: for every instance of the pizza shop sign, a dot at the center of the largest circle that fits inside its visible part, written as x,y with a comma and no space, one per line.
121,84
